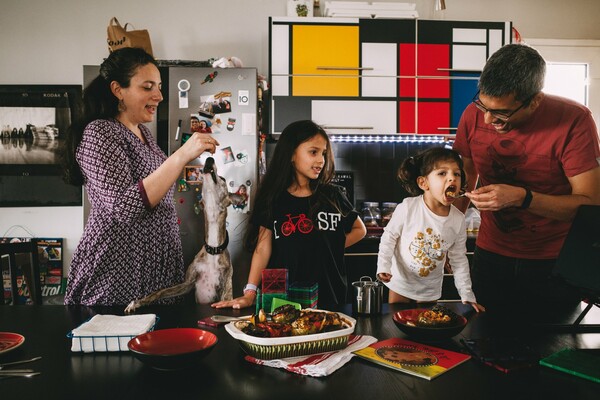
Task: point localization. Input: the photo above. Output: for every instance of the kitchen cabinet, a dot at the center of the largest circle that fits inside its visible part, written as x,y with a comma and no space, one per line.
379,80
372,76
325,60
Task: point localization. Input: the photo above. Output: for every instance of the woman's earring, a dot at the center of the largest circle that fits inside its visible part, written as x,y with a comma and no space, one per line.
121,106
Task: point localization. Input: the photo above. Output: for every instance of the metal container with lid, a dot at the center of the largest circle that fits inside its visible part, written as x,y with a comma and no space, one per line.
368,296
387,210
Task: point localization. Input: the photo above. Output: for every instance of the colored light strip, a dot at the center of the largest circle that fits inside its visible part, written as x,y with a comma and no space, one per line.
392,139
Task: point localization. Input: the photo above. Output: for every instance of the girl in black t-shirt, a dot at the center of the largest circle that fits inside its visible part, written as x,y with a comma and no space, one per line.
301,222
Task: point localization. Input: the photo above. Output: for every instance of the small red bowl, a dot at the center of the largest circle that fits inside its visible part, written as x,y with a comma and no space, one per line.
406,321
175,348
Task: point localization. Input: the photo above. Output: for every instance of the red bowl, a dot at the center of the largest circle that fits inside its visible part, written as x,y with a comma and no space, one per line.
172,348
406,321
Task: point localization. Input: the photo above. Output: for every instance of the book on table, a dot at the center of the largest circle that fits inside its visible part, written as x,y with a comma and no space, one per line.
413,358
582,363
503,353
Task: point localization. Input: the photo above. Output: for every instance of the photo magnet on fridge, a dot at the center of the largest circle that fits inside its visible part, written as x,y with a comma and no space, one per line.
243,191
193,174
228,156
200,124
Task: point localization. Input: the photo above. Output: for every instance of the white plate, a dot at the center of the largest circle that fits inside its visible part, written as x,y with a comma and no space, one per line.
239,335
10,341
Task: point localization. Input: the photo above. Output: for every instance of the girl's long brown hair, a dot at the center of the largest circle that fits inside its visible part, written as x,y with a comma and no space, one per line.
281,174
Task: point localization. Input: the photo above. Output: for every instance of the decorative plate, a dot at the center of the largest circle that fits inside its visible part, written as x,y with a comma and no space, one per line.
10,341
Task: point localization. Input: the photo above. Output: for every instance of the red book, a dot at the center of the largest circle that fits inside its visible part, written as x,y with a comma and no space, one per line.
412,358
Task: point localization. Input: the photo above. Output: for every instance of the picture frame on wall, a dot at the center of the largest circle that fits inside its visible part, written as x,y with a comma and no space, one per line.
34,120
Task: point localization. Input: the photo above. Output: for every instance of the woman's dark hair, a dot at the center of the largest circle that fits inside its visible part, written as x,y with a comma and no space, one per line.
100,103
423,163
281,174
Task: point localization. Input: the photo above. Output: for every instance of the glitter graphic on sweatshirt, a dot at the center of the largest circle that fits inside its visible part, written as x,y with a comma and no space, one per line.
428,250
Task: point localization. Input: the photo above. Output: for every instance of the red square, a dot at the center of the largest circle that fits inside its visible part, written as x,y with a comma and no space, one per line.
406,114
274,280
433,115
433,59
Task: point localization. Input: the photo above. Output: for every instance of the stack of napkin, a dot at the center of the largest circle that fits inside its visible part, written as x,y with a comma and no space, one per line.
318,364
110,332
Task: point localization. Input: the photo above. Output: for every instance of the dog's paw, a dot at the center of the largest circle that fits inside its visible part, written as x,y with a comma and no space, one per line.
134,305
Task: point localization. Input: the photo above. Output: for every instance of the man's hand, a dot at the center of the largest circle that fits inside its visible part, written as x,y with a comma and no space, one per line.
497,197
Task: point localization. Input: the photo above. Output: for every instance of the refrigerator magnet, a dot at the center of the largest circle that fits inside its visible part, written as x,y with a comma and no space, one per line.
182,185
193,174
241,196
200,124
210,77
183,86
242,157
230,124
217,124
228,156
184,137
243,97
221,102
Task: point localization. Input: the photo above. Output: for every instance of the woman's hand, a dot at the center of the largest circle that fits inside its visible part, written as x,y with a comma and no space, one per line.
197,144
241,302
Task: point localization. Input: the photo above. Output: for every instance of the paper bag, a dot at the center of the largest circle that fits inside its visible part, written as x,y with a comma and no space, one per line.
119,37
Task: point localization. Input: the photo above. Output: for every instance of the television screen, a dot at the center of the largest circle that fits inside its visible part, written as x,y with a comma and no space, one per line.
33,128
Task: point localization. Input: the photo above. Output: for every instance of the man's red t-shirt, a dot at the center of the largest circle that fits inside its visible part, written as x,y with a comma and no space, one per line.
559,141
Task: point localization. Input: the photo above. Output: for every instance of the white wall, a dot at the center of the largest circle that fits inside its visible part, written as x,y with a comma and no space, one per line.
48,42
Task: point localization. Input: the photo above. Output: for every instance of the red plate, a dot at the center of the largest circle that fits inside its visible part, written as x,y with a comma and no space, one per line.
174,348
10,341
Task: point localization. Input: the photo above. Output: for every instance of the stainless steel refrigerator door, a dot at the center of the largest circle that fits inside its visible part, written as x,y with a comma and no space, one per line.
235,127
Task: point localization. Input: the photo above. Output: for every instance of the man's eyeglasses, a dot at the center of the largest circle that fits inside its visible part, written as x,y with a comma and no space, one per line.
502,116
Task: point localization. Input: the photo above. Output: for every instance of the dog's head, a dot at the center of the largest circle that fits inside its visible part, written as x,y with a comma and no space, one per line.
214,188
215,195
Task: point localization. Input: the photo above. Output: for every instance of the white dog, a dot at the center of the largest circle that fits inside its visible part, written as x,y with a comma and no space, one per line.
211,271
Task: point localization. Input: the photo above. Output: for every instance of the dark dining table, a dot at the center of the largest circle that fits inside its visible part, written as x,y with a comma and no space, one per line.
225,374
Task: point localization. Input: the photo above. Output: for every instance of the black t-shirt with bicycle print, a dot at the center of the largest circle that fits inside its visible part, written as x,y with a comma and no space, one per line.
312,249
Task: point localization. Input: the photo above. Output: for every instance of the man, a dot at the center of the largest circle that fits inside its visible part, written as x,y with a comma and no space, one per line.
537,159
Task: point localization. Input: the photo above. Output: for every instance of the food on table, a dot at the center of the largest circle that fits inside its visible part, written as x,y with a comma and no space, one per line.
287,321
437,316
285,314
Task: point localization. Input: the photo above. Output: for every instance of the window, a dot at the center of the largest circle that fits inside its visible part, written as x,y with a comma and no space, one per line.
577,54
567,80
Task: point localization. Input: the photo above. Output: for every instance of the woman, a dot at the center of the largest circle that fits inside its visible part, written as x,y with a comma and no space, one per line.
130,246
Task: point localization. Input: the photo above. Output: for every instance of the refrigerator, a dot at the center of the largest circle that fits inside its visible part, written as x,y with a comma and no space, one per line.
222,102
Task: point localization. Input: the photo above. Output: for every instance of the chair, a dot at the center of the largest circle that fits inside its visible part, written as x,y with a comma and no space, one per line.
30,270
